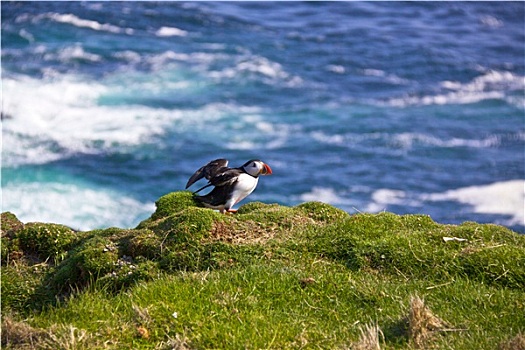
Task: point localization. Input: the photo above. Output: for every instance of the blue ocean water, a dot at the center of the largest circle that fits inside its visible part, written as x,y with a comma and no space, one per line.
409,107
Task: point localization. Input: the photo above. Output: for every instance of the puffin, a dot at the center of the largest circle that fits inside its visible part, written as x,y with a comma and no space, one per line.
231,185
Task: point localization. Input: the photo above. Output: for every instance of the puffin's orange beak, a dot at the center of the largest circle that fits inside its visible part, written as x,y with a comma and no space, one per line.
266,170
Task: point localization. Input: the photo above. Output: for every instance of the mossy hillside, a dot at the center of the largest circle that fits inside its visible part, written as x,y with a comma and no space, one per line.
413,246
37,241
312,272
48,241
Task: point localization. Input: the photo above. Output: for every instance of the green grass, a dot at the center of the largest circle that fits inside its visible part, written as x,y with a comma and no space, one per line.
268,277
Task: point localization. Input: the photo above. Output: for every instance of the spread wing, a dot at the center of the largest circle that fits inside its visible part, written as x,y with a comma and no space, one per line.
208,171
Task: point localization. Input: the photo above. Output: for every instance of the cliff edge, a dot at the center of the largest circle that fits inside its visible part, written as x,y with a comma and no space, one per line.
309,276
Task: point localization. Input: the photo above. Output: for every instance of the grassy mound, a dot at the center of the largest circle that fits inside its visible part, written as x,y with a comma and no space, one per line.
269,276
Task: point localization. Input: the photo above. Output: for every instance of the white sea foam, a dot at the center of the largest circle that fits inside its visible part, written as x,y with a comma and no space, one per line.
491,21
407,140
491,85
501,198
73,205
254,65
245,65
374,72
85,23
347,139
390,78
323,194
459,97
55,118
259,133
170,31
489,81
322,137
159,61
75,52
26,35
335,68
383,197
128,55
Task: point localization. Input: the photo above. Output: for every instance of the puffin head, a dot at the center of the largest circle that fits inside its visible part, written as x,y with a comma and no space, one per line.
256,167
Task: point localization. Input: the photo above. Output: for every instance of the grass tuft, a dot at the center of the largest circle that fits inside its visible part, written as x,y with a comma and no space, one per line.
369,338
67,337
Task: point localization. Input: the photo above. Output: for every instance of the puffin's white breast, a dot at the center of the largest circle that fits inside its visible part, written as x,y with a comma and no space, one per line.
243,187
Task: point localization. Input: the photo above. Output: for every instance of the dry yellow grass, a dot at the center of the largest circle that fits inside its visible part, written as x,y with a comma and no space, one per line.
21,335
422,323
369,339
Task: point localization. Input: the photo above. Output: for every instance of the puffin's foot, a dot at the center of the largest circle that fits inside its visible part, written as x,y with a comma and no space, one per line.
231,211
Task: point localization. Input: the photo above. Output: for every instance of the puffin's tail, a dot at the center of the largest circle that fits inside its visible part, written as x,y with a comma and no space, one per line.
201,200
197,198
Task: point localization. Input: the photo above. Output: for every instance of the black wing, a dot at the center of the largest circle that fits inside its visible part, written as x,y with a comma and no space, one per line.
208,171
227,177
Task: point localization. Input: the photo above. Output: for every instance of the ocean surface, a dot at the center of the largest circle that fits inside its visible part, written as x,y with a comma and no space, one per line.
408,107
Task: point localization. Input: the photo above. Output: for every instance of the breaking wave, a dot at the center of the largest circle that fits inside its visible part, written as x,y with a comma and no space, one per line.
505,198
65,118
500,198
491,85
74,205
170,31
407,140
85,23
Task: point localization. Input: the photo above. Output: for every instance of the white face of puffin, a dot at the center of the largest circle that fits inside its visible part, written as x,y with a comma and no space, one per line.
256,167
